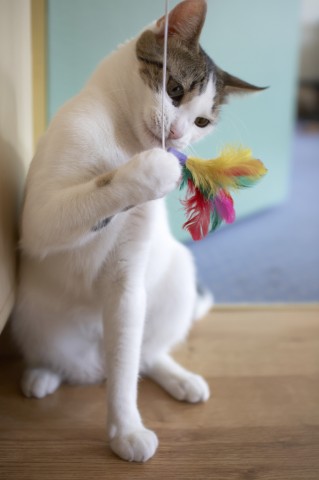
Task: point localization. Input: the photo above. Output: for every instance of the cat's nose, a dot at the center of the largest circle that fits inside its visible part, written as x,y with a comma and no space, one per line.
175,133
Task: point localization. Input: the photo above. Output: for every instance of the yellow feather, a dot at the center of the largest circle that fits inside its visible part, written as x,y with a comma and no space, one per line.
211,175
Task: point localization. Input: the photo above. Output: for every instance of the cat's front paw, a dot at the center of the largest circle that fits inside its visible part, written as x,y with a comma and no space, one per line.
157,172
137,446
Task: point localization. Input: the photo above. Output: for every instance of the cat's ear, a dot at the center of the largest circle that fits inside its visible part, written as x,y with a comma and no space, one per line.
185,21
235,86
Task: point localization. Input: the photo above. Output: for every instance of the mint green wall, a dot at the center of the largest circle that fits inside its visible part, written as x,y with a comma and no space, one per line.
253,39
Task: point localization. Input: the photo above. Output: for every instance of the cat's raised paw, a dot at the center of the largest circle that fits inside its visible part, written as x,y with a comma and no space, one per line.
192,388
39,382
157,172
137,446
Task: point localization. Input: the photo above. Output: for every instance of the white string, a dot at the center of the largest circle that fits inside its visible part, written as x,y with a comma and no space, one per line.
164,71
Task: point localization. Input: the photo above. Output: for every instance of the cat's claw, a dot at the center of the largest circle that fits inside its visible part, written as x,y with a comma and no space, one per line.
39,382
193,388
137,446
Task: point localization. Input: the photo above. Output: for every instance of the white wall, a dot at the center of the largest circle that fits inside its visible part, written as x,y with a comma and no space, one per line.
15,133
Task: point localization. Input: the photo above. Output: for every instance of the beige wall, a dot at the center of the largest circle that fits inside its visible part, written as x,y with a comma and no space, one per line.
15,133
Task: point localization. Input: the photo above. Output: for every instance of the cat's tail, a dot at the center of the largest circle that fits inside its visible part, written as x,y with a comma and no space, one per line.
204,302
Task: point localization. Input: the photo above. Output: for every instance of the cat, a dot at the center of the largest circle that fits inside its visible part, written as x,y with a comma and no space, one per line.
105,291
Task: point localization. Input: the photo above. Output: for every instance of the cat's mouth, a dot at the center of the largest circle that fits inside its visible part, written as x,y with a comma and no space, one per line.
157,139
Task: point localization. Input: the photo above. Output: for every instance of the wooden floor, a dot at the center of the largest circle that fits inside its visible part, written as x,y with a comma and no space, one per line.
262,421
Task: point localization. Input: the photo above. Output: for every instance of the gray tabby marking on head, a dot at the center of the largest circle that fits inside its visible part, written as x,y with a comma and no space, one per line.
187,65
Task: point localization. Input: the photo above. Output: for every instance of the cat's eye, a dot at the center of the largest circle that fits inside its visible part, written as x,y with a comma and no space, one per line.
201,122
175,90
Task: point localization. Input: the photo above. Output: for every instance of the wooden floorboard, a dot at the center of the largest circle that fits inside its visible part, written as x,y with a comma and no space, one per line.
262,421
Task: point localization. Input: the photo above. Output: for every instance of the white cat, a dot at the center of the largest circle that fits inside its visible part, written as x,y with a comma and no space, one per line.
105,291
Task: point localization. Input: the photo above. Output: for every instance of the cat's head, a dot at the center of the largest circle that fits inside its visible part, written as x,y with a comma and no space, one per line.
195,89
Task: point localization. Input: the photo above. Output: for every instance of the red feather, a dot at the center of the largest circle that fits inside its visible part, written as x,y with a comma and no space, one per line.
197,209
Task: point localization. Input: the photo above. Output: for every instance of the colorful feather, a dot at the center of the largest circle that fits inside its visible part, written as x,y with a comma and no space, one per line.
234,168
198,211
208,201
223,204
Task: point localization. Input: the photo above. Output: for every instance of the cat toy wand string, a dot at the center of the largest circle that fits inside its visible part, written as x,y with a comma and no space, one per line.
181,156
164,70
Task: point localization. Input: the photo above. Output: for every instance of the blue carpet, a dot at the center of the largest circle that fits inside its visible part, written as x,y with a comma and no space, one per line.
272,256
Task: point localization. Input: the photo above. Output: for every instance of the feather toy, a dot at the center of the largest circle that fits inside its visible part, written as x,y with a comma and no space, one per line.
208,202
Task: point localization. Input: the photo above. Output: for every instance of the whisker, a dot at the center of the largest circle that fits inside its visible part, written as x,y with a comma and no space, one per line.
192,150
239,127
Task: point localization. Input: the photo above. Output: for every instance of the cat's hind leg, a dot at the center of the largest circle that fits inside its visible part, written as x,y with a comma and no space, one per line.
179,382
39,382
81,364
58,347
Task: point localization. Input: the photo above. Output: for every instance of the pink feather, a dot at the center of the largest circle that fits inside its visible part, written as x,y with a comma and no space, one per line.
224,205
